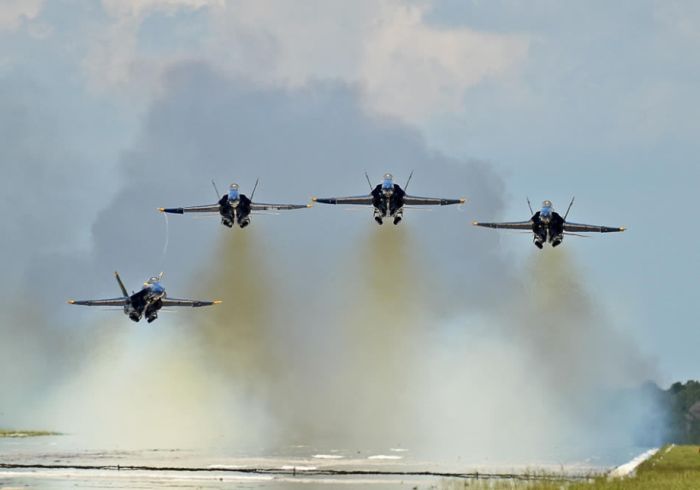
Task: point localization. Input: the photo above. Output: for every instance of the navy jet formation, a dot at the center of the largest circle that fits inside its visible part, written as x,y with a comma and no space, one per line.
388,200
146,302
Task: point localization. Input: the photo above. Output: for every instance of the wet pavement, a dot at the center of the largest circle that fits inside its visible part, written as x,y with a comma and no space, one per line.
64,462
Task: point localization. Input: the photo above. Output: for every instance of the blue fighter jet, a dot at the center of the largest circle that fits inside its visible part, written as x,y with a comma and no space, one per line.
234,207
388,199
548,226
146,302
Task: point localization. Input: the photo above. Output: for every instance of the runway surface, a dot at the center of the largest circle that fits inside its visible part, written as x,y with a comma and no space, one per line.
64,462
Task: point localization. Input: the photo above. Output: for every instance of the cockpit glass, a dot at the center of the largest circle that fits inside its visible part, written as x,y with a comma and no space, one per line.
233,193
388,182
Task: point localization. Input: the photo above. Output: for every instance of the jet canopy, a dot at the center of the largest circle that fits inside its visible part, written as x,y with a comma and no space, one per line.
233,192
388,183
546,211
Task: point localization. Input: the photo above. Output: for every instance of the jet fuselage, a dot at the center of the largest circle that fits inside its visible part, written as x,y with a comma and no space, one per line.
548,226
235,209
146,302
388,201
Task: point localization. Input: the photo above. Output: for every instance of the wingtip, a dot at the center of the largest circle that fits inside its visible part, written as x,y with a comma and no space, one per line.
623,228
475,223
71,301
462,200
162,210
217,301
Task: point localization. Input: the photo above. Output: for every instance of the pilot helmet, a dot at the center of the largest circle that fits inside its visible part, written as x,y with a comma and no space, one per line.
388,183
233,192
546,211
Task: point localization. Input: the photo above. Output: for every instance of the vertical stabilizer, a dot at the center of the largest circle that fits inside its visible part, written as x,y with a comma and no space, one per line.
371,187
255,187
569,208
408,181
121,284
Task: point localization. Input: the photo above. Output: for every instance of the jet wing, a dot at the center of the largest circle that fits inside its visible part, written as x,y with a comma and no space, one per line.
513,225
101,302
211,208
578,228
430,201
363,200
259,206
194,303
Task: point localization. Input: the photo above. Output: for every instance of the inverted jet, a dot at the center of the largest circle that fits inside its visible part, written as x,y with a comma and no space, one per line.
234,207
146,302
389,199
549,227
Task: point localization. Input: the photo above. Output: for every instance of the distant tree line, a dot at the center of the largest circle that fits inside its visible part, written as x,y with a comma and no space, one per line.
683,402
680,405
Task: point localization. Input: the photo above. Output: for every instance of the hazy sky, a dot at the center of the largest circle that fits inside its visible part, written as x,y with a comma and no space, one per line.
110,109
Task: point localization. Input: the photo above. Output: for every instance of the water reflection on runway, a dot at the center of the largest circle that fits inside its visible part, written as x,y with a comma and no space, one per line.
64,462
